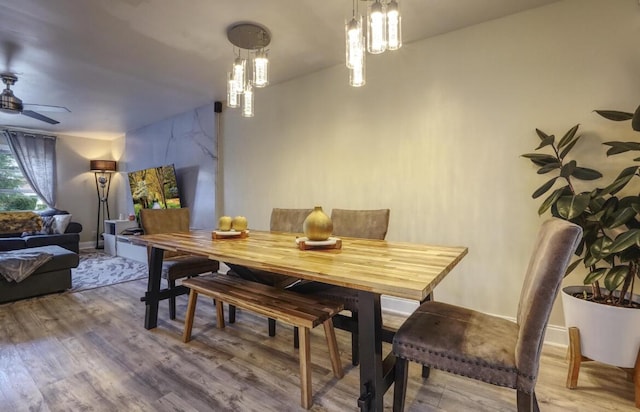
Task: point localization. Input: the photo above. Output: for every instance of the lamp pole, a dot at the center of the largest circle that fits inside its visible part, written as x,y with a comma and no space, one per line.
102,172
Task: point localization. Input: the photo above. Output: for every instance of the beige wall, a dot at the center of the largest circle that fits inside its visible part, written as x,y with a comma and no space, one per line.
437,133
76,184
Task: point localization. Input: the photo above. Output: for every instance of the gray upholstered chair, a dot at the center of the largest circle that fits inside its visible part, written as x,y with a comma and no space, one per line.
282,220
367,224
485,347
175,265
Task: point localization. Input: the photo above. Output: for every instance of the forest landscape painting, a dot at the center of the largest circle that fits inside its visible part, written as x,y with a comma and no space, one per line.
154,188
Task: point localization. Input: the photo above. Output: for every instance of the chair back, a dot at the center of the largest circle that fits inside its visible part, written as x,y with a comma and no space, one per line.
156,221
288,220
366,224
557,241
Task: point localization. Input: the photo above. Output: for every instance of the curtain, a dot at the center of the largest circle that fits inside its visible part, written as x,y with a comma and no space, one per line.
36,157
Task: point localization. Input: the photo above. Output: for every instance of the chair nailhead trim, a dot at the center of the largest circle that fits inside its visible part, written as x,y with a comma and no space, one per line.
455,358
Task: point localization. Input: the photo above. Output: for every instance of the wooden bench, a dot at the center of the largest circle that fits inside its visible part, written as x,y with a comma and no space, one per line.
290,307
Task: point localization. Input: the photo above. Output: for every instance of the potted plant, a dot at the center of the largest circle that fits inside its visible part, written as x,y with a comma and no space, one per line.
610,247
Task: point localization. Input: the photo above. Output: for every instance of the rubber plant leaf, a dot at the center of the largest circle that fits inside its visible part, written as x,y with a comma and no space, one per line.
568,137
572,267
615,277
595,275
567,169
544,188
614,115
567,149
549,167
600,248
621,181
584,173
570,207
625,240
621,217
550,200
621,147
540,159
546,142
542,135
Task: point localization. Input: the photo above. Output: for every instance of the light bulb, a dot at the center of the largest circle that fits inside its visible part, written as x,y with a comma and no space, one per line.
357,74
260,69
239,72
376,24
394,29
247,101
354,41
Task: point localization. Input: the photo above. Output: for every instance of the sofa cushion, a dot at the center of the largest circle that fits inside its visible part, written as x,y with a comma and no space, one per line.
12,243
62,258
68,240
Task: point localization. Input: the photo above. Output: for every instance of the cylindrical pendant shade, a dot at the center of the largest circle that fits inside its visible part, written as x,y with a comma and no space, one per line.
102,165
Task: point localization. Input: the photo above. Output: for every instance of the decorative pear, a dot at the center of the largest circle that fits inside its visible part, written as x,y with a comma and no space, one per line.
317,226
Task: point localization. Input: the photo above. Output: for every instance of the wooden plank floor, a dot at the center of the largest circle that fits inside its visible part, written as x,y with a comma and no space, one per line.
88,351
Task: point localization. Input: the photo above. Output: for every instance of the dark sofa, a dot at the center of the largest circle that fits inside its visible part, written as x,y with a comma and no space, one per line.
53,276
70,239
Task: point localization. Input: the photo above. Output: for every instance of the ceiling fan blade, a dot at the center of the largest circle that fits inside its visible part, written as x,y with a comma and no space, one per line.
46,108
38,116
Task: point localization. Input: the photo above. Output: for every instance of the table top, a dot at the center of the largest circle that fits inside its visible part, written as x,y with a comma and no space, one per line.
406,270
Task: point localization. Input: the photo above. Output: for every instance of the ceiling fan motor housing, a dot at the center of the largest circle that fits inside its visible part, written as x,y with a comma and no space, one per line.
8,102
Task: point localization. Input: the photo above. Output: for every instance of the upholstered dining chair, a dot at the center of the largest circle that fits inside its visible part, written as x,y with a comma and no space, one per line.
282,220
367,224
175,265
485,347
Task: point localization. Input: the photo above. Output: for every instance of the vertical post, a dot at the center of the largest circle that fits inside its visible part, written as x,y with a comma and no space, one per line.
152,297
370,341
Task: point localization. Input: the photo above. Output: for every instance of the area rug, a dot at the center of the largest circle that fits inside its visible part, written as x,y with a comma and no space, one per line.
97,269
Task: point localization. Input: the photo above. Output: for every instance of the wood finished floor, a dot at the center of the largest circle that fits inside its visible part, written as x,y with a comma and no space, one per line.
88,351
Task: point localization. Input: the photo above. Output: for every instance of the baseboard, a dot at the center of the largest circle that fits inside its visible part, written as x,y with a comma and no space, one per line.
555,335
87,245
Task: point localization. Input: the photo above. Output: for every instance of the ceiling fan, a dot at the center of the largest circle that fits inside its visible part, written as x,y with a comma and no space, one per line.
9,103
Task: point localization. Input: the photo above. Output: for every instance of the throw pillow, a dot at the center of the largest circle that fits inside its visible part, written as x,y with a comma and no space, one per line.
60,223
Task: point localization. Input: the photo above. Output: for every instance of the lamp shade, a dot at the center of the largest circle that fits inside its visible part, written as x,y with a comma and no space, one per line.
102,165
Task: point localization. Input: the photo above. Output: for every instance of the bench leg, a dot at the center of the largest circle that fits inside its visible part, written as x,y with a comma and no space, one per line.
232,314
220,314
188,320
332,344
305,369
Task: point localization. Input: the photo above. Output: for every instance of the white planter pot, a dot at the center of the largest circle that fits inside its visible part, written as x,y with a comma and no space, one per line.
608,334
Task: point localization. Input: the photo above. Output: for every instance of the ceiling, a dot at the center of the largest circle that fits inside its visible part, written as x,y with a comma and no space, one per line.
118,65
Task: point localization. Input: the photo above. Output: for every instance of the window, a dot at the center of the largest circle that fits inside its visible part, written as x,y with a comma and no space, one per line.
15,192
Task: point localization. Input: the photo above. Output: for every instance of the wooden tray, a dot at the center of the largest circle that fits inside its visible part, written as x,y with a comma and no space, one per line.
331,243
219,234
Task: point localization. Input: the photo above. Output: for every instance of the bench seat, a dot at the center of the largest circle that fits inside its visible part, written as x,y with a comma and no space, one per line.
304,312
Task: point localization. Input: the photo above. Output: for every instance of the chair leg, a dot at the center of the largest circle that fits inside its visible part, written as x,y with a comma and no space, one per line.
332,344
296,341
188,319
400,387
172,301
232,314
272,327
355,342
527,402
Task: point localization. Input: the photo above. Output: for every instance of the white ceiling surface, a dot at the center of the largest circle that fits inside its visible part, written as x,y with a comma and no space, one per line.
122,64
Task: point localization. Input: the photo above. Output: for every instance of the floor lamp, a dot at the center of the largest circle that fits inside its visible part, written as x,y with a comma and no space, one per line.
102,169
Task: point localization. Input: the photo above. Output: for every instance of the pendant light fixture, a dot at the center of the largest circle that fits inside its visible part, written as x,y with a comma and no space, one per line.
384,32
253,39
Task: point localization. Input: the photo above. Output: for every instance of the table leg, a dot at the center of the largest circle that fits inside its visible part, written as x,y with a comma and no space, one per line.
371,368
152,297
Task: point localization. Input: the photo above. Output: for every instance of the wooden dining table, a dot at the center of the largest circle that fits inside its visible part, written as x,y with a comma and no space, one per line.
372,267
